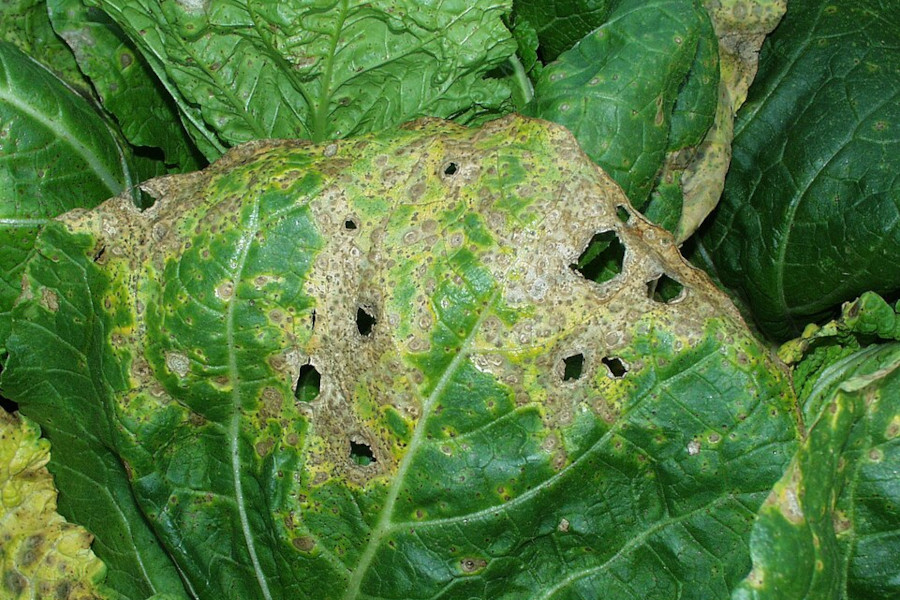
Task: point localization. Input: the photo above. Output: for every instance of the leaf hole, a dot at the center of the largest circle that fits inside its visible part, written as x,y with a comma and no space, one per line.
351,224
573,367
665,289
365,321
8,405
602,259
143,199
623,213
5,403
617,368
361,454
100,255
308,384
451,168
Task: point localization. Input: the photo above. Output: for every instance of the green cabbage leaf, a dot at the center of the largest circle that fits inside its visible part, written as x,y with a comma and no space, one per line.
391,367
124,83
829,527
319,70
810,215
650,90
57,152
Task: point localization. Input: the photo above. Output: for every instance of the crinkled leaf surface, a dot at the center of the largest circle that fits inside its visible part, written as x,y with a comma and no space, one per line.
867,320
42,556
829,529
320,70
56,153
372,369
124,81
810,216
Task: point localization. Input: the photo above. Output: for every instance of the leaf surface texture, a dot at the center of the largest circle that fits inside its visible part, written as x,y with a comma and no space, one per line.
372,368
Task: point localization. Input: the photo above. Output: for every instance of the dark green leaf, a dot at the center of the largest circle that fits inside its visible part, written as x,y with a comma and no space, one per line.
811,211
560,25
488,423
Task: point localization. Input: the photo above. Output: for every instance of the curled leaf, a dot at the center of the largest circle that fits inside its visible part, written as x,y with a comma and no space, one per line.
740,26
26,25
829,527
41,555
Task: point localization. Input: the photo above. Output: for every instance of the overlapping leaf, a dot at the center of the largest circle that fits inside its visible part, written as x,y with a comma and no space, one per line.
650,89
124,82
810,216
374,368
319,70
617,88
829,529
56,153
26,25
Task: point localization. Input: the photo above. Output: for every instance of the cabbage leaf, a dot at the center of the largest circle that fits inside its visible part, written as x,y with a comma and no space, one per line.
810,215
319,69
384,367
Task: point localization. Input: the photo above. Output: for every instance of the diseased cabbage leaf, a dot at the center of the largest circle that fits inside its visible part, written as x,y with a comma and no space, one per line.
436,362
124,82
650,90
829,529
41,556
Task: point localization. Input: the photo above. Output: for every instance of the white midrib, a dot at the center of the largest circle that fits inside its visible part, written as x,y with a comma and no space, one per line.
66,135
384,525
234,427
11,222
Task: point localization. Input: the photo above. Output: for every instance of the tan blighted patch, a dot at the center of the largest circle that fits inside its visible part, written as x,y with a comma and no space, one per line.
786,496
741,26
517,195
